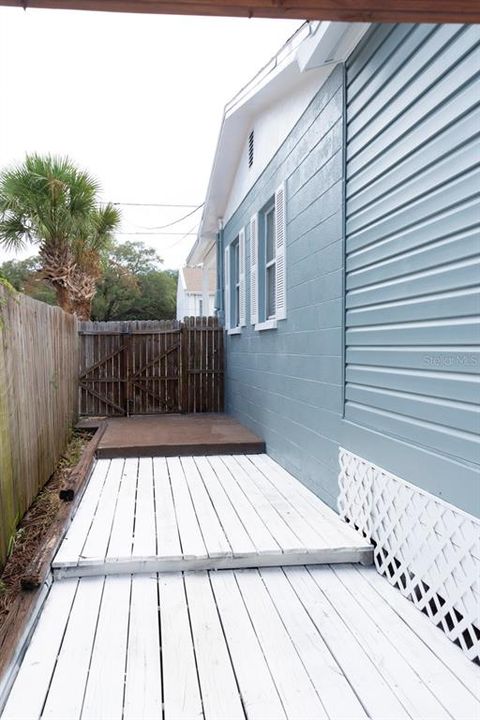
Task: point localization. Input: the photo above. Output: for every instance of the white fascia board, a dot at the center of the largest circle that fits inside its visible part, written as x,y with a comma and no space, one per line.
332,42
320,44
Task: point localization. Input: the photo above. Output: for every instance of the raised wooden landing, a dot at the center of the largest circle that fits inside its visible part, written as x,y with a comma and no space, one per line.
195,513
272,644
176,435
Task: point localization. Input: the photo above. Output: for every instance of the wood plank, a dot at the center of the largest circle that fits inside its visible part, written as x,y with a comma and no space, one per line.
277,525
425,11
144,542
410,689
213,534
121,537
155,564
168,539
235,531
259,694
333,689
218,685
182,699
96,544
191,538
308,534
466,671
31,685
378,699
143,683
106,676
74,540
316,512
440,681
253,523
65,697
294,686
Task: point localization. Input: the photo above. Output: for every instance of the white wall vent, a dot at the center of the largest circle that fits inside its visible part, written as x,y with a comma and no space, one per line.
251,141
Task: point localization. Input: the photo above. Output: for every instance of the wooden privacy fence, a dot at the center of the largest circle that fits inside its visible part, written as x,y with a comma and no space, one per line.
148,367
38,400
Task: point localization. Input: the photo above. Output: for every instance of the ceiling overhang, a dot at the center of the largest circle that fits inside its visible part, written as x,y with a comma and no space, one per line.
417,11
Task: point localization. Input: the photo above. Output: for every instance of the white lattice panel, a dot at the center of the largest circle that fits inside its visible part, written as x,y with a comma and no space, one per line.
428,549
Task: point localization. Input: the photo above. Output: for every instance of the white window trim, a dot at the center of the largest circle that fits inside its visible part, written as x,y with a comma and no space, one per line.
235,331
270,324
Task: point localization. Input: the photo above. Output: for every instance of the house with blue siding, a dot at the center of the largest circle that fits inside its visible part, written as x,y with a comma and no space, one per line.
343,209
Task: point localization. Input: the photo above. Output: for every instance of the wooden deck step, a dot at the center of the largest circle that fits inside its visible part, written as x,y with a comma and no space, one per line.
331,642
200,513
177,435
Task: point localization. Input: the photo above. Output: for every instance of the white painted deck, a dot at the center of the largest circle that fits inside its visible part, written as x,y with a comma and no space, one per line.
201,513
293,643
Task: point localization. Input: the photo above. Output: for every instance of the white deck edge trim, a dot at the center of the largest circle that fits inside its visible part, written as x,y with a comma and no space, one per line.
128,566
8,678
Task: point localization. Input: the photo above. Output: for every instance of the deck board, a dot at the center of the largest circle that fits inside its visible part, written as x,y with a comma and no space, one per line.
200,513
268,644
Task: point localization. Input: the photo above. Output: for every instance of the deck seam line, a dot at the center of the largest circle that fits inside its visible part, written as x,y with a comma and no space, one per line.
261,491
234,509
240,695
115,509
94,638
59,647
214,508
234,572
406,659
221,459
413,630
288,500
94,514
259,571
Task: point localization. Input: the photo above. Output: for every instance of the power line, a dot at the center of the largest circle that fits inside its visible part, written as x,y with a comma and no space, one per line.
155,233
174,222
165,205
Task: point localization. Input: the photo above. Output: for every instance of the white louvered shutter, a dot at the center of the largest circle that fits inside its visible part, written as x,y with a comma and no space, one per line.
254,270
242,310
227,287
280,253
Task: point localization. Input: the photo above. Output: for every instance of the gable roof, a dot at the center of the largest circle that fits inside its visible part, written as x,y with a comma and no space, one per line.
192,279
317,46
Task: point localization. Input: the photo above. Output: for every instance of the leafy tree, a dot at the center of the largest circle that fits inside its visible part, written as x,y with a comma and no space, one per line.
25,276
133,287
50,202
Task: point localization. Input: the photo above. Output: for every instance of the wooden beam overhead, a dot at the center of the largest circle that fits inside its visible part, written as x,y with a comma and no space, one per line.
417,11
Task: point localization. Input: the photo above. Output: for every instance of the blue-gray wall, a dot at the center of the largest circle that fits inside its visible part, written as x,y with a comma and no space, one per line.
405,342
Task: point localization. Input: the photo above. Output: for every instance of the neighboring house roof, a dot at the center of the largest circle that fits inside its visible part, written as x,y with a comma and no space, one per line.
193,279
317,46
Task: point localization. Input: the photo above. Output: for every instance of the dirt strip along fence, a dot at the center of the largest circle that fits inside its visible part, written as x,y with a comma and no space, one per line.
38,401
150,367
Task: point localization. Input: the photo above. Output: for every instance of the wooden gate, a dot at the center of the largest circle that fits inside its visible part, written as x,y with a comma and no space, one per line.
150,367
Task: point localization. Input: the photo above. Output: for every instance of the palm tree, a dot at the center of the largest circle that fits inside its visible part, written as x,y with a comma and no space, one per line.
50,202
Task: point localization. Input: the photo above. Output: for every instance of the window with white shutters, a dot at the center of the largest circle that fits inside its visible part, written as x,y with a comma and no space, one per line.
268,263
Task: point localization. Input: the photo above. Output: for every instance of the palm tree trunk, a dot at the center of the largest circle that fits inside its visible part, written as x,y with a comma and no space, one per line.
63,298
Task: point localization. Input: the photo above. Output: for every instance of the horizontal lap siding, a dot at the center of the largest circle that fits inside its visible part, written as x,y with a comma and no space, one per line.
412,236
286,384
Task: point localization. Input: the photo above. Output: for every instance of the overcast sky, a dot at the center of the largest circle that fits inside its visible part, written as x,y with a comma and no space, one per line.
135,99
